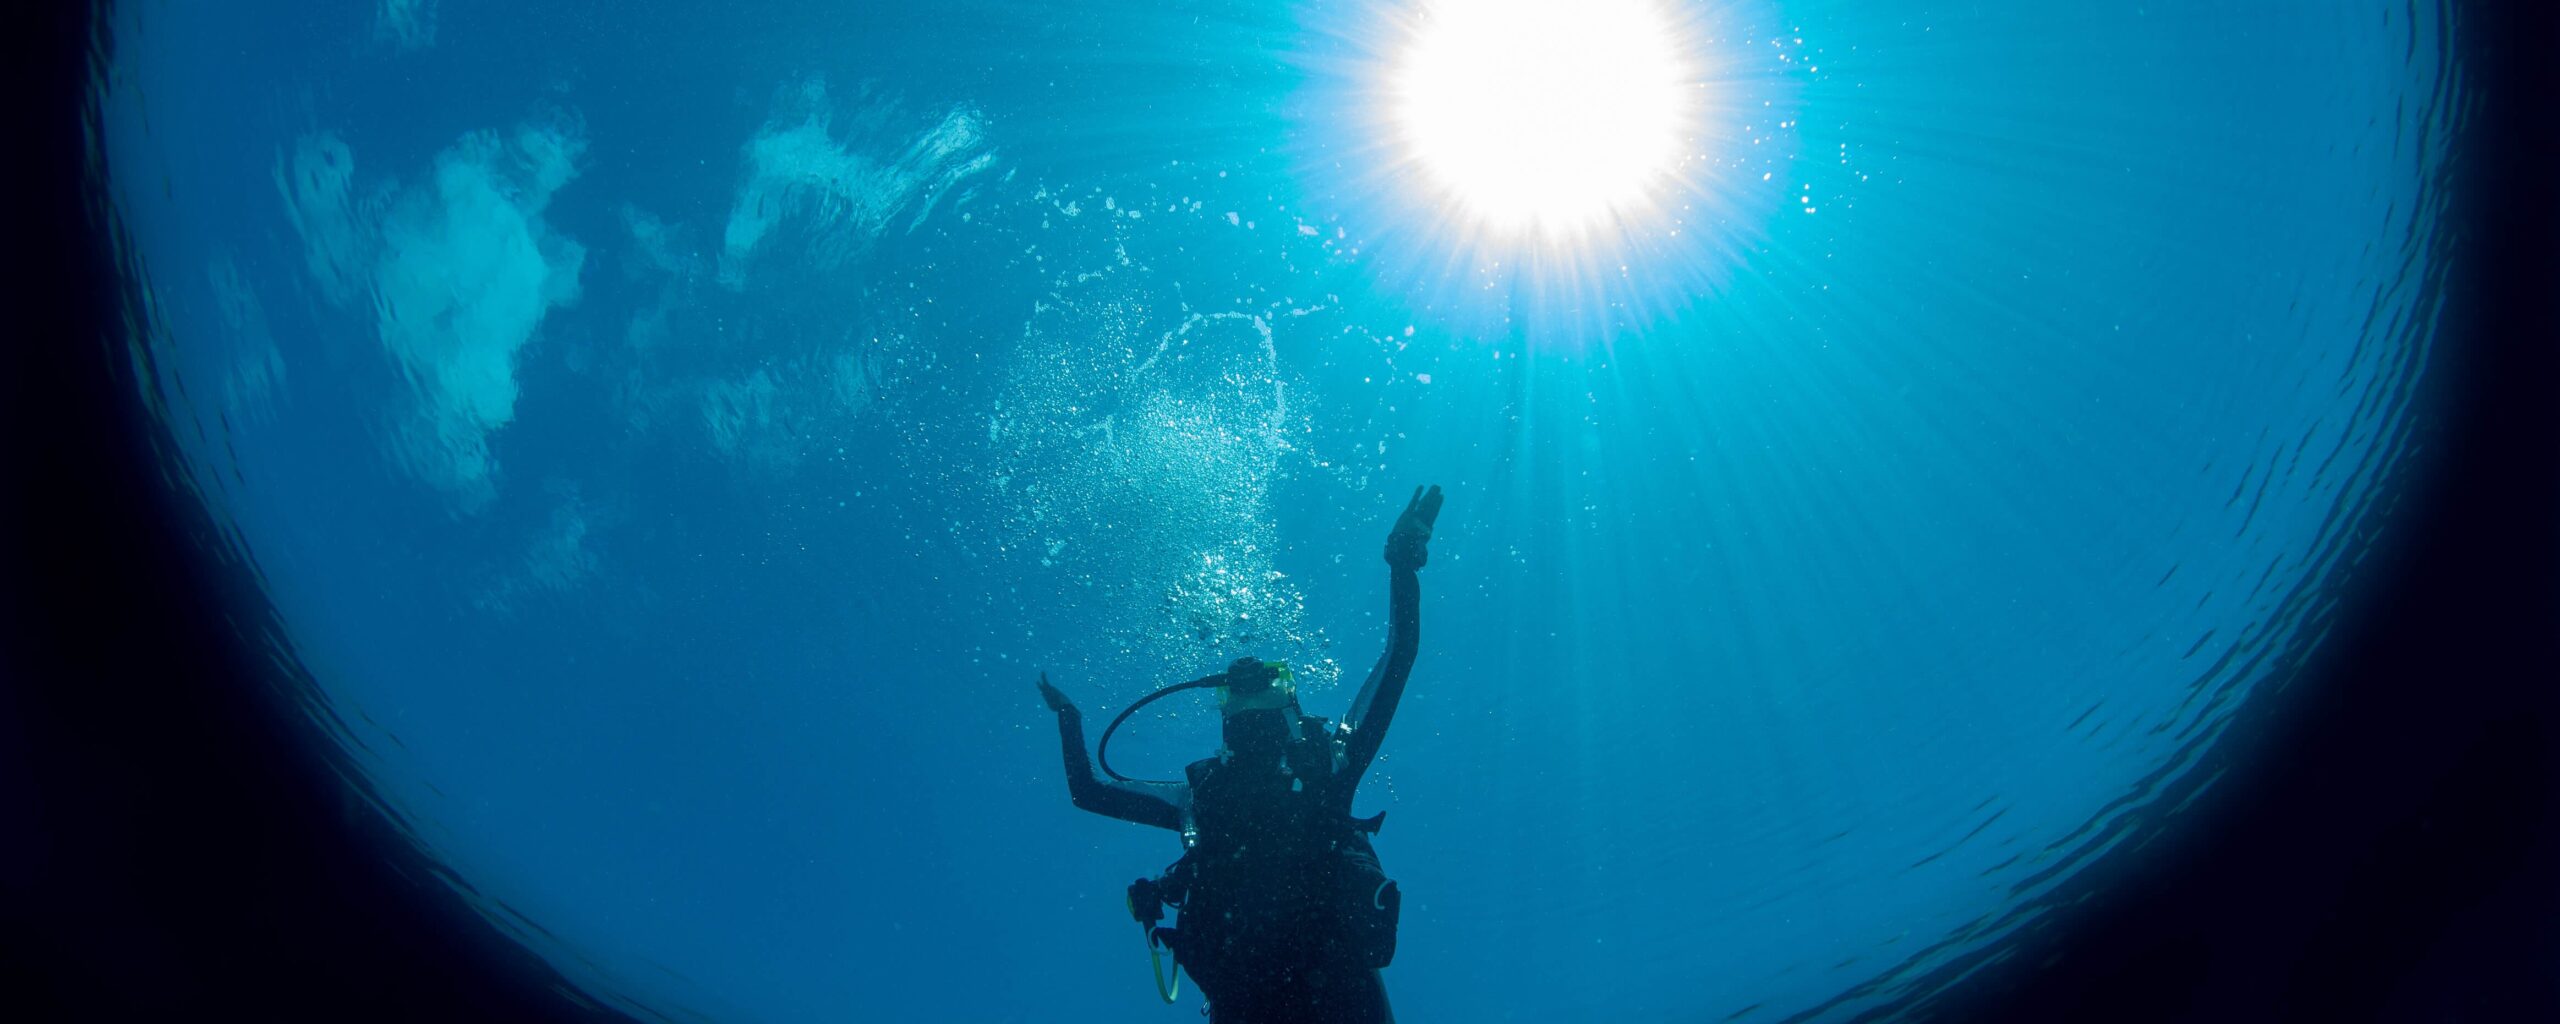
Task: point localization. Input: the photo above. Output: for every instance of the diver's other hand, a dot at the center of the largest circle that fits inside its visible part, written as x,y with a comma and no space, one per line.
1408,545
1056,700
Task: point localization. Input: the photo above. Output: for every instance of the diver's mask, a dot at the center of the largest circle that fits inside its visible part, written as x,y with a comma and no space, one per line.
1253,685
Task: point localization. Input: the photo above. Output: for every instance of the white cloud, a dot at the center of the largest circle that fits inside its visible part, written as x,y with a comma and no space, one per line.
407,24
468,271
460,268
841,191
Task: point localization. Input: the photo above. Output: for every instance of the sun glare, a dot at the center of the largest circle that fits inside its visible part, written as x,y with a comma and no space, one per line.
1551,116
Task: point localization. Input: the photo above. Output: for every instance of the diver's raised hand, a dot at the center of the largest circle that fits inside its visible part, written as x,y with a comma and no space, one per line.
1408,545
1056,700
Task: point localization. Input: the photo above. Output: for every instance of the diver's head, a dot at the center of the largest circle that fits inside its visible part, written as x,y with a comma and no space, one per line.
1249,676
1257,705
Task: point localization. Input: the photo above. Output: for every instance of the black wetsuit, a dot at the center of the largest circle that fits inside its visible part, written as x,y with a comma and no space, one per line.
1277,858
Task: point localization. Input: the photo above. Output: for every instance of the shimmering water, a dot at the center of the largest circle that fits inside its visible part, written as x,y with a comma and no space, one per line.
675,436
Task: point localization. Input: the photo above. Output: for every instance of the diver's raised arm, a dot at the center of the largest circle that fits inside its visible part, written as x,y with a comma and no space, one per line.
1365,726
1146,803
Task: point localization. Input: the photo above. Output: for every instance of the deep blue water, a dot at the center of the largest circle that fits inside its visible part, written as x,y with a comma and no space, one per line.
677,436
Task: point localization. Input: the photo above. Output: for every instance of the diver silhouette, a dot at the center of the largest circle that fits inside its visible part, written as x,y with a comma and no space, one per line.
1286,916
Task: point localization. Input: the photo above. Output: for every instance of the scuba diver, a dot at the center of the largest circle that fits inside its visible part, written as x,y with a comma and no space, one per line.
1286,916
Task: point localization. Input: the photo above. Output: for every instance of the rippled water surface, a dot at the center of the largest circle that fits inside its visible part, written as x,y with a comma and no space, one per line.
674,437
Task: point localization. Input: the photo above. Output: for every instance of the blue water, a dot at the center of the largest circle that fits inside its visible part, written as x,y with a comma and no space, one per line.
674,438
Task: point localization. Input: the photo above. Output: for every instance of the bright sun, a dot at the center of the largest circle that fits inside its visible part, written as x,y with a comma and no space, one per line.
1552,116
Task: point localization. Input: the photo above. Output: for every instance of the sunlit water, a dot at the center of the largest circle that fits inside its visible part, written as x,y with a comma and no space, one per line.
674,437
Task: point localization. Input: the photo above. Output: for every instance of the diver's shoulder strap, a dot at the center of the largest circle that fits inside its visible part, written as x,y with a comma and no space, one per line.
1317,729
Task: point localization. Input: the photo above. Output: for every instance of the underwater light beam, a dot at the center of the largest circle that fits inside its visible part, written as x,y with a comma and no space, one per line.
1541,116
